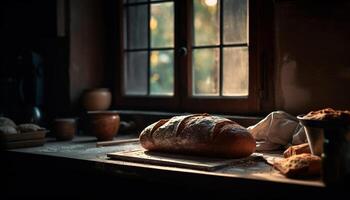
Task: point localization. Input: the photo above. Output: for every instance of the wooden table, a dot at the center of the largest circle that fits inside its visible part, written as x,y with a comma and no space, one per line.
80,165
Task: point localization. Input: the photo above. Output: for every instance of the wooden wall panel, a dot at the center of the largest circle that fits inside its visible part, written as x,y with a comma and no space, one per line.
87,47
312,55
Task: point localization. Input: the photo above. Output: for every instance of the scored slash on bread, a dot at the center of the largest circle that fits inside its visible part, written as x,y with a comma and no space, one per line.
199,134
299,166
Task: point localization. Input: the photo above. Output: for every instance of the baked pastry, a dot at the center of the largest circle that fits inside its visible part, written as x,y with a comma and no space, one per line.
4,121
23,128
297,149
329,114
299,166
198,134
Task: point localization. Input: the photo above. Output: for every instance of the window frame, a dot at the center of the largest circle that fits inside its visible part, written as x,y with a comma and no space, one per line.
148,49
155,102
260,67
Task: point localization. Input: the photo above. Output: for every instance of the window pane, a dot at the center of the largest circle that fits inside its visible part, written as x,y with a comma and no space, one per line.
135,73
206,22
235,21
136,27
235,71
162,72
206,71
162,25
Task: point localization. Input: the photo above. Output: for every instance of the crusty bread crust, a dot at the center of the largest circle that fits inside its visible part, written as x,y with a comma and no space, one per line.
199,134
297,149
329,114
299,166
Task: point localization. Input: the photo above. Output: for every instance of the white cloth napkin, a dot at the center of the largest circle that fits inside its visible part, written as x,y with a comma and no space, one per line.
277,129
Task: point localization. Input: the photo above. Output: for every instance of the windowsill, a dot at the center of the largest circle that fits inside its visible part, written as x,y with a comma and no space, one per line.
81,154
242,120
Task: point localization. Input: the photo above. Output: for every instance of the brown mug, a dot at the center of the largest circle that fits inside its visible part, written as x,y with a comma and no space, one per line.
64,128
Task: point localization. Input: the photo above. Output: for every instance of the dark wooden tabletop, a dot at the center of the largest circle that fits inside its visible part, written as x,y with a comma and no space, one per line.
81,155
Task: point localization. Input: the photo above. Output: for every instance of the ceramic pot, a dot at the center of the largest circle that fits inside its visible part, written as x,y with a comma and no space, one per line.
64,128
104,125
97,99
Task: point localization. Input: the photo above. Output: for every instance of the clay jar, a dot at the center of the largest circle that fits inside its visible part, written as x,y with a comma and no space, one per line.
96,99
64,128
104,125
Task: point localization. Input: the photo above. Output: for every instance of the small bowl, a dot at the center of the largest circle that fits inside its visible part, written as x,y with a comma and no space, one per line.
104,125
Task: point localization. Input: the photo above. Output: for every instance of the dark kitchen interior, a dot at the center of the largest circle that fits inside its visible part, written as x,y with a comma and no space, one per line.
60,58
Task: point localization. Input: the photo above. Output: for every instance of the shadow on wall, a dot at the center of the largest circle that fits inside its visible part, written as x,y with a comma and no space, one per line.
313,65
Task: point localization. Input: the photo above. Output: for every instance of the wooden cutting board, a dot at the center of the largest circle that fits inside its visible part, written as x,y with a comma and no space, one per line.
175,160
24,136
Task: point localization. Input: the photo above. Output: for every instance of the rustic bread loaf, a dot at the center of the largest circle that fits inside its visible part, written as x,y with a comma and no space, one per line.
198,134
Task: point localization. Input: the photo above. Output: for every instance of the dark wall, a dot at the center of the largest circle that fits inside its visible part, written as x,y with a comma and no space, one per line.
28,32
312,55
311,51
68,35
24,19
87,47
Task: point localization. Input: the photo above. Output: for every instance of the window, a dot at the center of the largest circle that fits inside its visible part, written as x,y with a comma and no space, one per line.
195,56
220,48
148,48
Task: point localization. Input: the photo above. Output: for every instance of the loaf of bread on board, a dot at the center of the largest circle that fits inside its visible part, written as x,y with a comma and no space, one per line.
198,134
